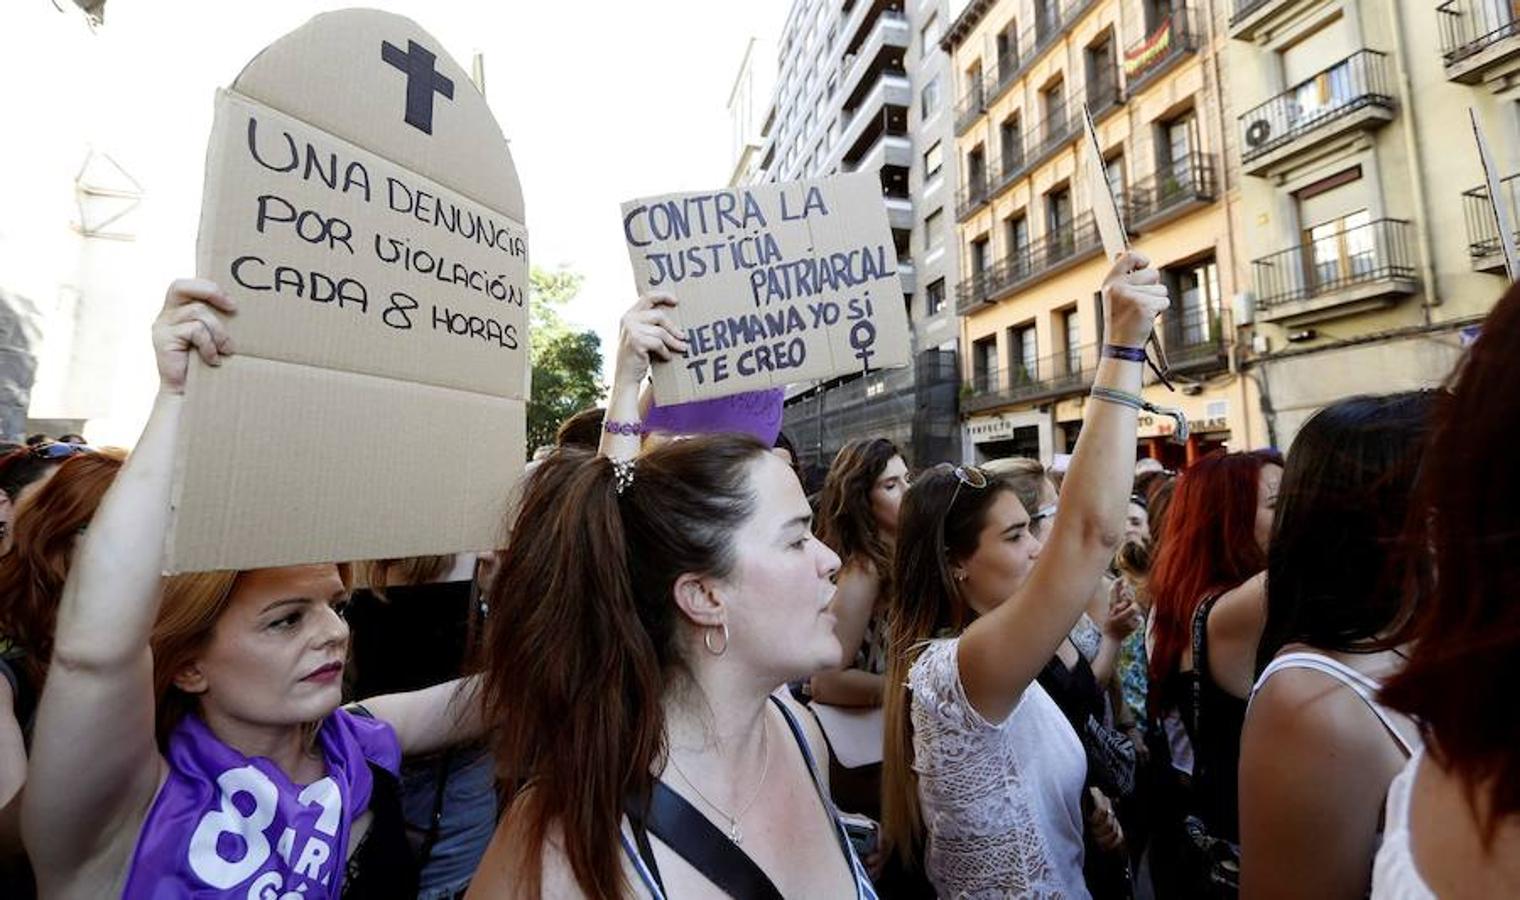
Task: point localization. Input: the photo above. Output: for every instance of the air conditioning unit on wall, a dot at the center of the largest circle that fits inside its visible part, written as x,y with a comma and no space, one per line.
1258,133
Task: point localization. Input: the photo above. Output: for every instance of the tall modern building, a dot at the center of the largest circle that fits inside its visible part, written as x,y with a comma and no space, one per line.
863,85
1370,238
1151,73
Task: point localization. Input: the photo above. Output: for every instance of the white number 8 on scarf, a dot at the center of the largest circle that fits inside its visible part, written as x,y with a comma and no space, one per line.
205,857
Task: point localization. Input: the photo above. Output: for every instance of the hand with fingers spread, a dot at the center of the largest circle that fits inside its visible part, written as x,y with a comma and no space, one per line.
647,333
1133,296
192,319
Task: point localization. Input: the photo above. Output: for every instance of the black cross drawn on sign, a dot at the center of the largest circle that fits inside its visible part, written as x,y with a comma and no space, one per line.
422,81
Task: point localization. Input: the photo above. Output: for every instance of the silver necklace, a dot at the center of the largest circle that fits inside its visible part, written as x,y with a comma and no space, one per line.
734,832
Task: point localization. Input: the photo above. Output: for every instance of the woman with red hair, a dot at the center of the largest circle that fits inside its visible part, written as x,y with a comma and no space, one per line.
1208,593
47,525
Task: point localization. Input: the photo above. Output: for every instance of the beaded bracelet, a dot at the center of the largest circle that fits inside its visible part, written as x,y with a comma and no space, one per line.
1135,401
1129,354
627,429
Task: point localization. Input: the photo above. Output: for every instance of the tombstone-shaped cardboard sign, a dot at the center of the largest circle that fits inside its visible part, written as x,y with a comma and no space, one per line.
776,283
362,208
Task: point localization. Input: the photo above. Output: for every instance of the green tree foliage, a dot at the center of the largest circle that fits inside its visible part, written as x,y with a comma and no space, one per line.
567,364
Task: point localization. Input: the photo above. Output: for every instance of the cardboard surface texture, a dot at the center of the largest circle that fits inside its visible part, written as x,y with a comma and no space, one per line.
776,283
1105,206
1495,197
362,207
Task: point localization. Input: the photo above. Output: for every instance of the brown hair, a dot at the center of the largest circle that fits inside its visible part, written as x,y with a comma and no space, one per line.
941,521
377,574
33,573
845,522
582,430
583,636
1466,627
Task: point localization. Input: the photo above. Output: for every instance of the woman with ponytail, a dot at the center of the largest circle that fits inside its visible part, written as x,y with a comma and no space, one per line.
983,774
643,617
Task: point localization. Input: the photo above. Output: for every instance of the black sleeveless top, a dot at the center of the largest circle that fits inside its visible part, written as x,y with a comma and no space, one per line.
1213,719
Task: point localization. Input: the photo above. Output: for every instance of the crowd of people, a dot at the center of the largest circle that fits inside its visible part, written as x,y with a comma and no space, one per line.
686,675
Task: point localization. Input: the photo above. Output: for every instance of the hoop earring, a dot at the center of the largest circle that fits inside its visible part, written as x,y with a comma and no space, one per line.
707,640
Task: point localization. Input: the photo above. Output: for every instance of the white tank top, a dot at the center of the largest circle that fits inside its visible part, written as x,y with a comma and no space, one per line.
1394,876
1364,686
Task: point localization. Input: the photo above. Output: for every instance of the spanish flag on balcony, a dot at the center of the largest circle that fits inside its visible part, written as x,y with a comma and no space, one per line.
1155,47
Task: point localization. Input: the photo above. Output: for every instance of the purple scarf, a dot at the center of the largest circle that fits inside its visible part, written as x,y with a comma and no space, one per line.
225,825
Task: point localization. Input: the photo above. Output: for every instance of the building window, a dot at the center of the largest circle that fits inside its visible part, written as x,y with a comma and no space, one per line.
1342,249
1011,138
1016,238
1007,51
1102,71
934,160
1113,168
984,369
976,172
931,228
1053,104
980,258
1194,318
1024,364
935,296
974,83
930,97
1071,329
929,36
1175,149
1058,211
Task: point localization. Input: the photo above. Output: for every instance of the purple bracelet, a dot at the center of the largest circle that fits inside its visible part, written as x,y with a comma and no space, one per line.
1130,354
627,429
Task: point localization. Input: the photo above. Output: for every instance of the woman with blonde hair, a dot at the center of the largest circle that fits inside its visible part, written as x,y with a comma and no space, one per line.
189,741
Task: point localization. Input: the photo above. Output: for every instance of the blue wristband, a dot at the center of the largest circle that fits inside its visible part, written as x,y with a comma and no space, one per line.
1129,354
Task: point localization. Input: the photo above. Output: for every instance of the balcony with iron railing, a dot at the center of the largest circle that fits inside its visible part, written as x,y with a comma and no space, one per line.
1477,37
1069,372
1194,339
973,195
1168,44
1054,252
1483,245
1029,46
1062,124
970,108
1352,270
1175,190
1352,95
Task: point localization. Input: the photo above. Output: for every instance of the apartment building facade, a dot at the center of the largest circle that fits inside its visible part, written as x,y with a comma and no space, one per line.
862,85
1372,246
1150,72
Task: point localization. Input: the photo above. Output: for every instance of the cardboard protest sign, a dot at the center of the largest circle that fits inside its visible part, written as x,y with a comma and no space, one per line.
1496,199
361,206
756,413
1105,207
777,283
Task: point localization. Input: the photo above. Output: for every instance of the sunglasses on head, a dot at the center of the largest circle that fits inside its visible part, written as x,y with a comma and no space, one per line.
965,476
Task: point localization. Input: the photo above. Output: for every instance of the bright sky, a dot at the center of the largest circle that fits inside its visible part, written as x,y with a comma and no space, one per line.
600,102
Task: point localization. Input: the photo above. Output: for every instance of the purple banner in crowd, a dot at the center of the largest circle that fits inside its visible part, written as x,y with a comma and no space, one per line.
755,412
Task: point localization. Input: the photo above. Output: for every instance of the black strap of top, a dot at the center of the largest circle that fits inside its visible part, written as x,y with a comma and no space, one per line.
695,839
1200,662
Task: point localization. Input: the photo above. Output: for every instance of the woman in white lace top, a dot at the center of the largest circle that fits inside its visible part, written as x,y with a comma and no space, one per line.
983,775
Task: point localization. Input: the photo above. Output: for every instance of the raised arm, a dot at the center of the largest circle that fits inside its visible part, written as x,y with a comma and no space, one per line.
94,765
853,603
647,332
432,718
1003,651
